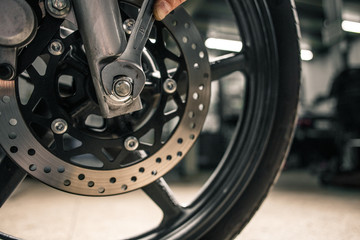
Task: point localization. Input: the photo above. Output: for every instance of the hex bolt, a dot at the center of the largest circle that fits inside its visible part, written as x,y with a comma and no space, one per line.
59,4
59,126
56,48
123,87
131,143
170,86
58,8
7,72
128,25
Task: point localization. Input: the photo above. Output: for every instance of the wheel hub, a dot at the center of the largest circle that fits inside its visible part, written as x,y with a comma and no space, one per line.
58,136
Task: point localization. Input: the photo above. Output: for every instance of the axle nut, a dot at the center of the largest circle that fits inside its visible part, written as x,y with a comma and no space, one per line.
123,87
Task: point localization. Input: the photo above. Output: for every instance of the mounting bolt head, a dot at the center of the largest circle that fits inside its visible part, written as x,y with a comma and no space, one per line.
59,4
59,126
56,48
58,8
128,25
170,86
131,143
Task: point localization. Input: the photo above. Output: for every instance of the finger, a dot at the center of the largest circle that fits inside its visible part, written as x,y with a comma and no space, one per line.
164,7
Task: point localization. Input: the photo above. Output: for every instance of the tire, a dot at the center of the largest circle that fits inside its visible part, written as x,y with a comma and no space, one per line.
286,27
235,191
270,63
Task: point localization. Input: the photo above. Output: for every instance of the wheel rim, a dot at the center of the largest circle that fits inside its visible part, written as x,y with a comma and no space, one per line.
251,133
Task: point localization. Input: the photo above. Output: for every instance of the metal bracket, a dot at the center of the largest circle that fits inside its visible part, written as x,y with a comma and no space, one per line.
104,40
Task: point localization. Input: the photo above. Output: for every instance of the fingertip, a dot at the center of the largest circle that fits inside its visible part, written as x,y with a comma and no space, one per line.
158,15
161,9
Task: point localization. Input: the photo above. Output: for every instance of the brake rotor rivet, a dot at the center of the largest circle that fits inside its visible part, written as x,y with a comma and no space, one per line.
170,86
59,126
56,47
123,87
128,25
131,143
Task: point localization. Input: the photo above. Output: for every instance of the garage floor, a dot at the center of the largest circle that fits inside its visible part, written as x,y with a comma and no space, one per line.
297,208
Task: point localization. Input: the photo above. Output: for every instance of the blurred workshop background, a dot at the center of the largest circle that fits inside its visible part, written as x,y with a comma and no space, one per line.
327,139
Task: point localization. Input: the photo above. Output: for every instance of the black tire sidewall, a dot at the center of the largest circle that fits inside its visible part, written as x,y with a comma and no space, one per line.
287,35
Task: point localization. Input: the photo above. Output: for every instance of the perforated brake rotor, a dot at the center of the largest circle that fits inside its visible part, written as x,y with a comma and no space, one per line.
97,162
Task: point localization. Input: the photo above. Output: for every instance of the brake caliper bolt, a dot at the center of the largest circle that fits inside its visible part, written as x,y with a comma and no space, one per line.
59,126
58,8
128,25
123,87
131,143
170,86
59,4
56,48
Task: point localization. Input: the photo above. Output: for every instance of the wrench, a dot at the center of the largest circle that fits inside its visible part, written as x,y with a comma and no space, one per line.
129,63
139,34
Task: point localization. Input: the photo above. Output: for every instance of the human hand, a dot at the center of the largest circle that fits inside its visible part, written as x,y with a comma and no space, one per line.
164,7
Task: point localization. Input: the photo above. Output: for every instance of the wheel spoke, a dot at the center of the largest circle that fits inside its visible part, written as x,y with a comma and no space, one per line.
83,110
177,72
150,87
33,100
122,157
157,137
162,196
10,177
228,64
59,142
146,147
179,102
77,59
40,120
34,76
171,116
171,55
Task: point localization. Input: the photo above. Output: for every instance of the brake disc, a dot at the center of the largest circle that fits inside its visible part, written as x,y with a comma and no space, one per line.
51,125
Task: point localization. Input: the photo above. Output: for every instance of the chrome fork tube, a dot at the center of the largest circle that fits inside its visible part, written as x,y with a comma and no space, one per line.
100,26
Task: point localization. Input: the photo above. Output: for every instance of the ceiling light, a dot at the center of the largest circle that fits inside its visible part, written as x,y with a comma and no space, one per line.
306,55
350,26
224,44
236,46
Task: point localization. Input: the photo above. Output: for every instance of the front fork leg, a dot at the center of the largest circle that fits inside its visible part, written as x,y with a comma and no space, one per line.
104,40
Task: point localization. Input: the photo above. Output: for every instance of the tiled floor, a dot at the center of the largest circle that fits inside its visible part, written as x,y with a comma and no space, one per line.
297,208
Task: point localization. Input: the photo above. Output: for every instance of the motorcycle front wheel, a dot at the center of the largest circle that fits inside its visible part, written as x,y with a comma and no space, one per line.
258,124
